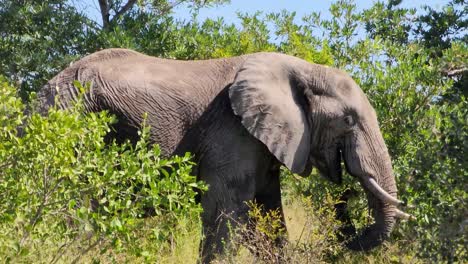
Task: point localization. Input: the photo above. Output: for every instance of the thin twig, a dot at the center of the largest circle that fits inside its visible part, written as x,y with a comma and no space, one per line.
44,203
65,246
84,252
451,73
302,232
6,164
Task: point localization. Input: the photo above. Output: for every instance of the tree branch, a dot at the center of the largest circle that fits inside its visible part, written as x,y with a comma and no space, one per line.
124,9
104,6
84,252
454,72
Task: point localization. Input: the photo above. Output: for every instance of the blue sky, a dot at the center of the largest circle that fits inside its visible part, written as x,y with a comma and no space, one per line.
228,12
301,7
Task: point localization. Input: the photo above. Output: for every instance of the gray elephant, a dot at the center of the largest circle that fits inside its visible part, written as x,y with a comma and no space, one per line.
242,118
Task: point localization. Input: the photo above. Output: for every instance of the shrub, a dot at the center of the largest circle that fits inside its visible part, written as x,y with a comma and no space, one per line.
62,188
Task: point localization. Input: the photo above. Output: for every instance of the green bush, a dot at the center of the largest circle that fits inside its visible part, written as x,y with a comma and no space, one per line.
62,188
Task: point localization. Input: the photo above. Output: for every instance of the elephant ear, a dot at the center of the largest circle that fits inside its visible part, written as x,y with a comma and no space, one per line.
271,108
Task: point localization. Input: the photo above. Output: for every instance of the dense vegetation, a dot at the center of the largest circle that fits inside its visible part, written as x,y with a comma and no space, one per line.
412,66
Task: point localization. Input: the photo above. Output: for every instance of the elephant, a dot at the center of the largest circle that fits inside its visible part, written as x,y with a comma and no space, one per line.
242,118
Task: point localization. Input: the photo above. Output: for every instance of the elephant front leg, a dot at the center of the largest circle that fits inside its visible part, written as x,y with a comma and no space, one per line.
269,201
220,217
269,197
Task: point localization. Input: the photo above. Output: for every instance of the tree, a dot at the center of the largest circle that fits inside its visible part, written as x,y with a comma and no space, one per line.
113,10
40,37
436,30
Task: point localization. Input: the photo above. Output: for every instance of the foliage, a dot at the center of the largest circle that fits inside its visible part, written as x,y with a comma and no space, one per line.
112,11
438,29
312,236
213,38
260,234
35,43
438,32
62,188
39,38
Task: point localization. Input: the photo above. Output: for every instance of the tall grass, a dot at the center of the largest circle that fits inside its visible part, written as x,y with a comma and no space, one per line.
311,234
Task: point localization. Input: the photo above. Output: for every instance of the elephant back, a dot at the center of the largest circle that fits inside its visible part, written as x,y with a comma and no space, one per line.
62,85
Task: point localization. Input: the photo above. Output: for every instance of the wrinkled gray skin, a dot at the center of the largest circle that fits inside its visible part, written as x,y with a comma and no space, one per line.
242,118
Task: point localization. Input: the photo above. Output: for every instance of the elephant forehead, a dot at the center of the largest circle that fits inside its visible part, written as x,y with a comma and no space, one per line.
349,94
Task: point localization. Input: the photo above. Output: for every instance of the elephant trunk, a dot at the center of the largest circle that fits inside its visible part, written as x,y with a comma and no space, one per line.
375,174
373,235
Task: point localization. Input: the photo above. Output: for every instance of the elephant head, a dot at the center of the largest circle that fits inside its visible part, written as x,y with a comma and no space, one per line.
311,115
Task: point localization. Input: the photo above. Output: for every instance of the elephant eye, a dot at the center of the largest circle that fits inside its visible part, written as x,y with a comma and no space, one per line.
349,121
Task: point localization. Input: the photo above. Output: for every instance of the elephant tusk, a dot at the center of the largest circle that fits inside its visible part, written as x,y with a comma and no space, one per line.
375,188
403,215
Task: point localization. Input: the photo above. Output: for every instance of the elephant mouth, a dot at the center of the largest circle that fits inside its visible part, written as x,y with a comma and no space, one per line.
335,171
331,169
339,168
